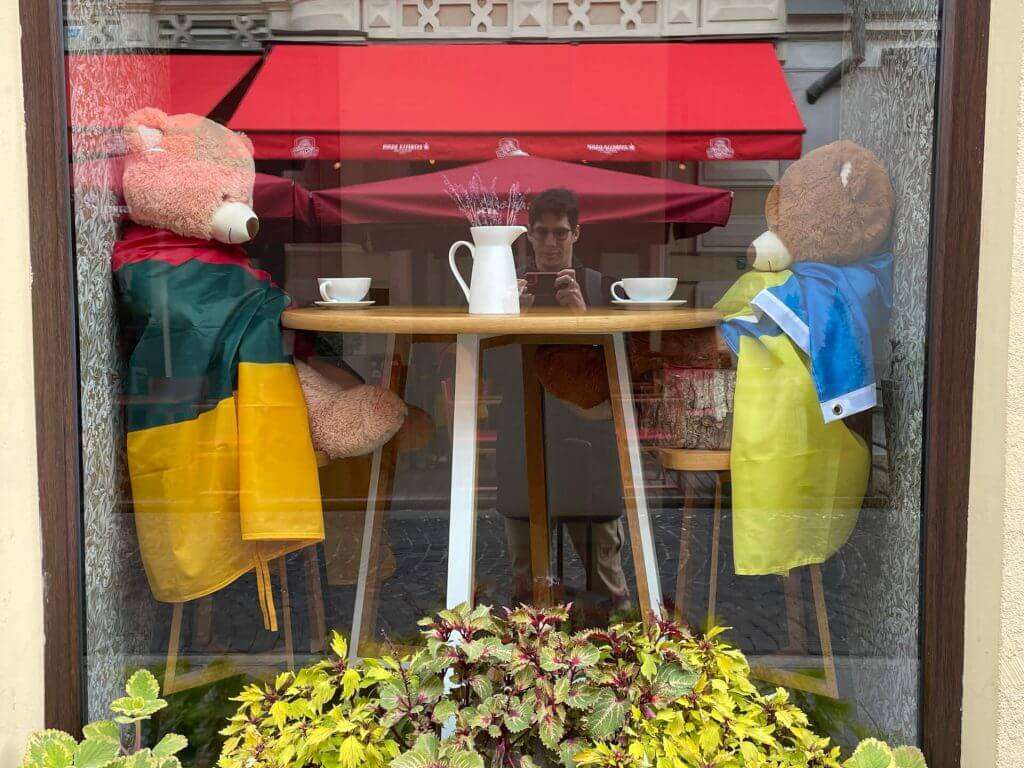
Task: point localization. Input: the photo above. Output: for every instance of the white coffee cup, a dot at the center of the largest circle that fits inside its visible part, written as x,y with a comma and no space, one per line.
343,289
646,288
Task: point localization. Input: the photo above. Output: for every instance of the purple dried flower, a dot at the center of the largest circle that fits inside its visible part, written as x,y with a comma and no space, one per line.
482,205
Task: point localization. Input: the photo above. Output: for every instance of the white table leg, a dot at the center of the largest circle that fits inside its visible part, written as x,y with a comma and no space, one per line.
462,520
641,536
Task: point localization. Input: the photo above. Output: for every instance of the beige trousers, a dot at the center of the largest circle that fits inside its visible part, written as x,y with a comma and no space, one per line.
607,577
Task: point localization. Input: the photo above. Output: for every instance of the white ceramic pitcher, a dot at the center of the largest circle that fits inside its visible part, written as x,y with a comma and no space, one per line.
492,289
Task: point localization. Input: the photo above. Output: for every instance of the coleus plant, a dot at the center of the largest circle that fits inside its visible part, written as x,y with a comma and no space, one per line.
102,745
523,691
327,714
519,691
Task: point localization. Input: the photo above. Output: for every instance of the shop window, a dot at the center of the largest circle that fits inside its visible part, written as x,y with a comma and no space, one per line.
675,389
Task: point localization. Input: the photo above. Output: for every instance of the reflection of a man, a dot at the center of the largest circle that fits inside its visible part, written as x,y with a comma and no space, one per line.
583,488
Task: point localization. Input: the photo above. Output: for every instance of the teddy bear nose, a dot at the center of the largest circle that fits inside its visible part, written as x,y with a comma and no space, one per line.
252,226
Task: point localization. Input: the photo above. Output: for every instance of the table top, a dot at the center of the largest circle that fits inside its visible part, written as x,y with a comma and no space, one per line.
448,320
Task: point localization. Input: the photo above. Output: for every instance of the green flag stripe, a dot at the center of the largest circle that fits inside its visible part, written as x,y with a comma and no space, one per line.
188,327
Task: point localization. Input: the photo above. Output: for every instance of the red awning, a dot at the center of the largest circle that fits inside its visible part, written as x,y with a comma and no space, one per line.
589,101
605,196
175,83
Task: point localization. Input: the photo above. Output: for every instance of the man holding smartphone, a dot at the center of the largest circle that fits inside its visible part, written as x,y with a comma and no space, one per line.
584,492
555,277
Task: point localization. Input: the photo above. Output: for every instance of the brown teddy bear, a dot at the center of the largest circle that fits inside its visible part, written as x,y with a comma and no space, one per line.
808,324
835,204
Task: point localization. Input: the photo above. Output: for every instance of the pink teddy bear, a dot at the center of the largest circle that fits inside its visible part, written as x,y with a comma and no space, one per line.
193,177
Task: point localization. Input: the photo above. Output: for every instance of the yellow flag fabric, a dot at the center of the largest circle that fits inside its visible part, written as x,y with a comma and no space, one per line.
798,483
209,505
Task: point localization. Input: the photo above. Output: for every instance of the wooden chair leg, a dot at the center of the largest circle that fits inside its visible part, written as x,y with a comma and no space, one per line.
315,600
173,644
540,535
824,633
827,686
382,476
202,622
685,540
795,613
715,537
286,612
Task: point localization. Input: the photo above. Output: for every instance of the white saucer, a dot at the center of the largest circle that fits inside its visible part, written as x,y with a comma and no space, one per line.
649,305
344,304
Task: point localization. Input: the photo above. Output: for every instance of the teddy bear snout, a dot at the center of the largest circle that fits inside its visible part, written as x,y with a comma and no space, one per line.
235,223
768,253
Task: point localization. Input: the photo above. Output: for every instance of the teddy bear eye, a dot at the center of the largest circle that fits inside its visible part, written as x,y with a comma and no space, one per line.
224,197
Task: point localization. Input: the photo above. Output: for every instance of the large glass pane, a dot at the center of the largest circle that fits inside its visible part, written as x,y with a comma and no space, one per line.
292,422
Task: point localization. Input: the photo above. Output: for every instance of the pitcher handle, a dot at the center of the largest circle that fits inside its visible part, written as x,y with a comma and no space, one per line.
615,295
455,269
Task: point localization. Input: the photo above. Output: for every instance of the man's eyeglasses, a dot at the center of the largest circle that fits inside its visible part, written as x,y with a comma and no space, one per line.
561,234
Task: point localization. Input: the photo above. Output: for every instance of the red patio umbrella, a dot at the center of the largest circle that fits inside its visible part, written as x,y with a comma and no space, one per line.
284,207
605,196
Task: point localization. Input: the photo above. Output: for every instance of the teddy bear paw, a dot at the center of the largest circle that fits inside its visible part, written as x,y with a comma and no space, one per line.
356,421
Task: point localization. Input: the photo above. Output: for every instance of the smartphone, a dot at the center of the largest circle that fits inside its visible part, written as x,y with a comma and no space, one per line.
540,283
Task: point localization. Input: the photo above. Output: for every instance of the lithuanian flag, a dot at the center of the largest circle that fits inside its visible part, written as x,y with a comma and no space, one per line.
222,468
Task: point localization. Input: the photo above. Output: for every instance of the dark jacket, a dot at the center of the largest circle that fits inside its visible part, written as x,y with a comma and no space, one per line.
583,480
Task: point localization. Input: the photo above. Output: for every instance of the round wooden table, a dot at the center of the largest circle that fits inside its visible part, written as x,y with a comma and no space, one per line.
456,320
602,326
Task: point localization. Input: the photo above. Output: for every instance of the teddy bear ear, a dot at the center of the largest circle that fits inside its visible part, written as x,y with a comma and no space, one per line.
145,129
247,141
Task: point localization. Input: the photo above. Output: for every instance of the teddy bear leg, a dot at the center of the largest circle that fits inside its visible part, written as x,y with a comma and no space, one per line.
349,421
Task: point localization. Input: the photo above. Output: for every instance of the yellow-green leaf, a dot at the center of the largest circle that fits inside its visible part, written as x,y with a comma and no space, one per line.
95,753
349,683
142,684
339,645
102,729
908,757
170,744
279,713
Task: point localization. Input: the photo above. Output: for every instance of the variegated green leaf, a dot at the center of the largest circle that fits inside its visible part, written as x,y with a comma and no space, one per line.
50,749
96,753
465,759
102,729
908,757
551,732
142,684
444,711
673,682
170,744
870,753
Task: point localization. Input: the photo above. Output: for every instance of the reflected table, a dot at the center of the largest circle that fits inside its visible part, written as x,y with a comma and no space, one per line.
601,326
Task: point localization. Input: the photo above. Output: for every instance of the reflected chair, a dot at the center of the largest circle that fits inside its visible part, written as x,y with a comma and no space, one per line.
202,615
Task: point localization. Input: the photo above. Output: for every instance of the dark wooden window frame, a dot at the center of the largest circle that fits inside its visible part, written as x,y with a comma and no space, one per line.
949,374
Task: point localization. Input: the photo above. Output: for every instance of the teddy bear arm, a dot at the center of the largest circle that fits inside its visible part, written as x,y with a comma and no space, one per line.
349,421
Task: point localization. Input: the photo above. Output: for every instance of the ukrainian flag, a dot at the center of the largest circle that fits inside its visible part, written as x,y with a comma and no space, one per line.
797,482
222,468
